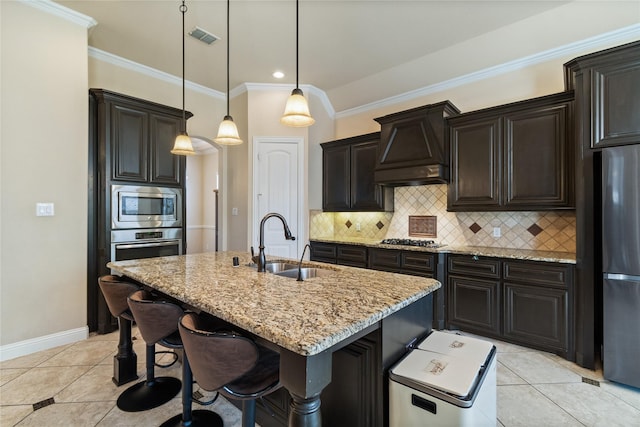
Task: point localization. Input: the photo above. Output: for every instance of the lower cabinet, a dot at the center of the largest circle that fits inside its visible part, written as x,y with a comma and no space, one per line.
523,302
474,304
333,253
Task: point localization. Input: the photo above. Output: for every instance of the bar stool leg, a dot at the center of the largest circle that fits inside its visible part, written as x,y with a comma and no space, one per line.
198,418
150,393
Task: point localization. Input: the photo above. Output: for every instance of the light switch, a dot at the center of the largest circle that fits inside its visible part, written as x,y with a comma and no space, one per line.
44,209
234,211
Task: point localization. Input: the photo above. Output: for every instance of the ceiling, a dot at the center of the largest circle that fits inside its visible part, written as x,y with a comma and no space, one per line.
341,42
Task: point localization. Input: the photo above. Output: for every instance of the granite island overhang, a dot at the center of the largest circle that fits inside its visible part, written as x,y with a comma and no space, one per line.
307,321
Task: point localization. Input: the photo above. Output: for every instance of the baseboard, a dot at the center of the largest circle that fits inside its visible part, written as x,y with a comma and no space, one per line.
33,345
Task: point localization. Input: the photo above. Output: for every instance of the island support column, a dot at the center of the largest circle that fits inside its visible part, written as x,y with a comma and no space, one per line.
125,363
305,377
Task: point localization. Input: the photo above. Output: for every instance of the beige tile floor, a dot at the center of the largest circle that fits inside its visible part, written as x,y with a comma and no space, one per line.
534,389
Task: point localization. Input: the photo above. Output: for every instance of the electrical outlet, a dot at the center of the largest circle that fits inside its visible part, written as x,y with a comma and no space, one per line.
357,226
44,209
497,232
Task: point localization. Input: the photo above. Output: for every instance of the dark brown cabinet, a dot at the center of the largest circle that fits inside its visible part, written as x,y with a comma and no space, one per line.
414,263
513,157
473,294
141,142
333,253
130,142
347,176
609,92
524,302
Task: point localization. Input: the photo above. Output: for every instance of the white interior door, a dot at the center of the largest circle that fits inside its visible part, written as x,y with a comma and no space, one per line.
277,190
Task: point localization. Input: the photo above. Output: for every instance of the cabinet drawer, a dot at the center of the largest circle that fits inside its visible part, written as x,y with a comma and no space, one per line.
418,262
323,252
354,256
538,273
385,260
474,266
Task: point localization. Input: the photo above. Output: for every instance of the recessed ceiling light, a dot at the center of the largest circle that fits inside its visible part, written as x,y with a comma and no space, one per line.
278,74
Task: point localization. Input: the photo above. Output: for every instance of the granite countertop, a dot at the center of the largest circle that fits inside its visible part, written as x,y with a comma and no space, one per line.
523,254
304,317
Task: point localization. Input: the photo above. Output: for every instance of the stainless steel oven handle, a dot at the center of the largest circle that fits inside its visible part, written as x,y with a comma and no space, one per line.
147,245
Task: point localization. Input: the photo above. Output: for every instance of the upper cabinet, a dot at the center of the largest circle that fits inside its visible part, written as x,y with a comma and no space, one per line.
517,156
608,89
347,176
413,146
137,137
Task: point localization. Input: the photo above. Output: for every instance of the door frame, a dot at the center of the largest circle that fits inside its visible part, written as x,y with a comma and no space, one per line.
303,198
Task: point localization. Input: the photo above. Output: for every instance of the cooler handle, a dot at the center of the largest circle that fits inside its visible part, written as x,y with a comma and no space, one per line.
425,404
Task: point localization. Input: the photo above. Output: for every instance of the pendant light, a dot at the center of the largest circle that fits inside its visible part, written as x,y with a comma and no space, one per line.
182,145
296,112
228,132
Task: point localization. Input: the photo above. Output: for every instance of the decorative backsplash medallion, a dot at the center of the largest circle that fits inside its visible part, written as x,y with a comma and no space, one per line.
547,230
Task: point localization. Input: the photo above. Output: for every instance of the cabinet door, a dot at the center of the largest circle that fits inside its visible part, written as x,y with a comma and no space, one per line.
476,173
537,171
365,194
165,167
615,103
129,139
536,316
474,304
336,186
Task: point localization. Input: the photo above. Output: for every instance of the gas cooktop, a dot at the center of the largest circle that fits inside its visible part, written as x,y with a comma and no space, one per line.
412,242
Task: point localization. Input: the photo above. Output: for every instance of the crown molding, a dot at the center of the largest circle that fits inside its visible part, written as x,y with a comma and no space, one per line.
619,36
284,87
62,12
119,61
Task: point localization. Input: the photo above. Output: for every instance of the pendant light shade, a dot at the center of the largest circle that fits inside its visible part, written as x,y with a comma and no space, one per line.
182,145
228,132
296,111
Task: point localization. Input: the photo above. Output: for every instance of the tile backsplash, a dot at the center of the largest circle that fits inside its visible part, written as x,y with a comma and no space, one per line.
545,230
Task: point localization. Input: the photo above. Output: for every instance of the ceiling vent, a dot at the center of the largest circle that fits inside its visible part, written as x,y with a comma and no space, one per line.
203,35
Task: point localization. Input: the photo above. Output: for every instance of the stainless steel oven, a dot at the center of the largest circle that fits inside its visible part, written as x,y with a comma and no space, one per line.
145,243
137,207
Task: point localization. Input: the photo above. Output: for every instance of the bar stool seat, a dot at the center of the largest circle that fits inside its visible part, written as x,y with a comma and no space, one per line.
158,323
231,364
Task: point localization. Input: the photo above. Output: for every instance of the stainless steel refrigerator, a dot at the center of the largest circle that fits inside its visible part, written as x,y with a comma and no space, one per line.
621,263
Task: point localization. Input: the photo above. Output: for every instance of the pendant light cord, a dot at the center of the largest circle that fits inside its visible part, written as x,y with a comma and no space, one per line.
228,57
183,9
297,49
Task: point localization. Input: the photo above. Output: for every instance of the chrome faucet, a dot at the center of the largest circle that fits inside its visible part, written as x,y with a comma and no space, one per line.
299,279
262,259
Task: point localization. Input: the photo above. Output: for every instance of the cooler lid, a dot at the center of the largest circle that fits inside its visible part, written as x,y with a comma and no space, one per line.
447,373
472,350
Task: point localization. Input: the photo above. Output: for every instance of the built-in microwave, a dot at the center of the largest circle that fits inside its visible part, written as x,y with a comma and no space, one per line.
145,207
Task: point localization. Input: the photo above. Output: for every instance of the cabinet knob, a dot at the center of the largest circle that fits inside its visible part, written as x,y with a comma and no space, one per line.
476,258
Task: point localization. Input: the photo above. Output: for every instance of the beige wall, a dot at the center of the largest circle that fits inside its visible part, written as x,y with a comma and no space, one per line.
202,178
44,159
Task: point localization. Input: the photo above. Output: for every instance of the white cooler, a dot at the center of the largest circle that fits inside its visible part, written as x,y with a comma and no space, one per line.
448,380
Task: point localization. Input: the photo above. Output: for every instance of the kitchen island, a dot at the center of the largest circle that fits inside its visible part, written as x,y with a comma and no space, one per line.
306,322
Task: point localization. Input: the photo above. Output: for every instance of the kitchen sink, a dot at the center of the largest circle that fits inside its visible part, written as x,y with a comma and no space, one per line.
305,272
277,267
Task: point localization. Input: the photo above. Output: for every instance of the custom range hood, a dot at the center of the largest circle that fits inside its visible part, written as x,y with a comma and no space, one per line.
413,146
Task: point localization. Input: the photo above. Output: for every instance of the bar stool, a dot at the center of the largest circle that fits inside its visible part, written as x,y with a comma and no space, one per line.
230,364
158,323
115,292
